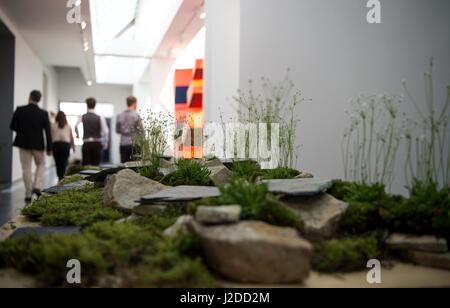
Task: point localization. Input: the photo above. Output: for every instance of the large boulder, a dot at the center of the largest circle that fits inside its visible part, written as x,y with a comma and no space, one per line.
215,215
426,243
255,252
320,214
126,187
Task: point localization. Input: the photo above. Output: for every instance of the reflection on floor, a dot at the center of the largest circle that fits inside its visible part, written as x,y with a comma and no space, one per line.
12,199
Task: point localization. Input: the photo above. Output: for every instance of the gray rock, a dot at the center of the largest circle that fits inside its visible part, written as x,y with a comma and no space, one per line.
181,194
149,210
43,231
213,163
220,175
435,260
62,188
126,187
425,243
320,214
131,218
213,215
304,175
180,226
299,187
255,252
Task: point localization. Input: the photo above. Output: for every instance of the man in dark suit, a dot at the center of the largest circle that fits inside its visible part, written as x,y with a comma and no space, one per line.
30,122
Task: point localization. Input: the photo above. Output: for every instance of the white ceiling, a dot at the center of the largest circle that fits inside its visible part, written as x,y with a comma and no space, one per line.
43,24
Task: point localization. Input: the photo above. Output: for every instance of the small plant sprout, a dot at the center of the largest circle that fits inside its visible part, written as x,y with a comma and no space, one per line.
427,140
370,144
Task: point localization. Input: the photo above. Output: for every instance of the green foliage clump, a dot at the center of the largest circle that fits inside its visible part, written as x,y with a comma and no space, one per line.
71,179
280,173
80,207
189,172
176,265
112,249
427,211
347,254
365,202
75,169
246,170
256,201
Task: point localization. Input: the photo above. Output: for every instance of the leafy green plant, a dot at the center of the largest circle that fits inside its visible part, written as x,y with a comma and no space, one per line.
81,207
275,104
152,141
76,169
428,158
247,170
189,172
348,254
370,144
280,173
256,201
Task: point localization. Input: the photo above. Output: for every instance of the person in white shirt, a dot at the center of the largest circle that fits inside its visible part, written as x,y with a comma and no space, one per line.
95,136
62,143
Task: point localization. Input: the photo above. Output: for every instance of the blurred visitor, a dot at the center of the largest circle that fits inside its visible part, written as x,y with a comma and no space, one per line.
127,125
30,122
63,141
95,135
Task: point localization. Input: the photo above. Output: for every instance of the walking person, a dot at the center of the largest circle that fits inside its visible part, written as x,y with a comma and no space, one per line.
127,125
63,141
30,122
95,135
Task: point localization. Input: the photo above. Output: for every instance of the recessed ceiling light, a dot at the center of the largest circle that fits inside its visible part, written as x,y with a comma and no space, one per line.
203,15
83,25
78,3
89,83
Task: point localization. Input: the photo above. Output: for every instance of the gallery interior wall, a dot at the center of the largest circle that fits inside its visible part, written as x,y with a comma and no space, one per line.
334,55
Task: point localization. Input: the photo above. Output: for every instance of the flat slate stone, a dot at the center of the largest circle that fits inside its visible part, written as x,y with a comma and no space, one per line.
62,188
182,194
299,187
89,172
103,174
44,231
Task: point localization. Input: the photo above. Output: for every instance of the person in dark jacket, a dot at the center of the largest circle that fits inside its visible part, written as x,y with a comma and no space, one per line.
95,135
30,122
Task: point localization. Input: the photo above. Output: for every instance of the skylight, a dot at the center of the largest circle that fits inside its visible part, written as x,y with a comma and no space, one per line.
126,34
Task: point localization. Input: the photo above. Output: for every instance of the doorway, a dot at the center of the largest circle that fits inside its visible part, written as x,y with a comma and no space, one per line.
7,59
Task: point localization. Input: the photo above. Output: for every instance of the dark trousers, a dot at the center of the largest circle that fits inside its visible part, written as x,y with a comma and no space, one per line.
61,153
126,152
92,153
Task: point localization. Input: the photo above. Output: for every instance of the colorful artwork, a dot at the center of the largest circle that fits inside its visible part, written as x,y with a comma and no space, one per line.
189,111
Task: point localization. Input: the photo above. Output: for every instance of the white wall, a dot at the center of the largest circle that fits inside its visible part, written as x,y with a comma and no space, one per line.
73,88
29,72
222,60
334,55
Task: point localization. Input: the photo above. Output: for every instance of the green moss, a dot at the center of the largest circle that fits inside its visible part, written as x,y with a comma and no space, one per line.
189,172
112,249
71,179
427,211
350,191
75,169
342,255
81,207
256,201
280,173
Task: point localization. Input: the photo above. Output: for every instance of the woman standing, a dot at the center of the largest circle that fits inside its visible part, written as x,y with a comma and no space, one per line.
62,143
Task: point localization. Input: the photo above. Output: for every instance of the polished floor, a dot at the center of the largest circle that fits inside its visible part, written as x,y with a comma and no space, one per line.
12,199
